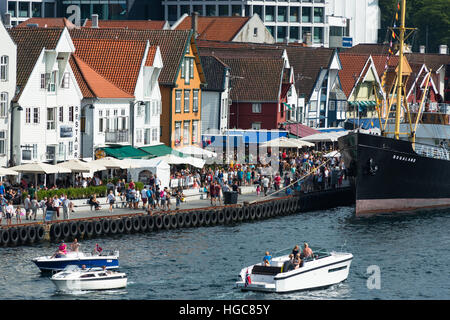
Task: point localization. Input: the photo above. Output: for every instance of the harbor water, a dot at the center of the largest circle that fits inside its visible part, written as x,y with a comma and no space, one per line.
409,251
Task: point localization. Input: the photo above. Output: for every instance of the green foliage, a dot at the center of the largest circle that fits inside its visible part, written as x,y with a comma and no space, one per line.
73,193
432,18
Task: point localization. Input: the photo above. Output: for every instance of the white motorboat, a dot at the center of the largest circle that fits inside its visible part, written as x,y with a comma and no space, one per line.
72,278
323,270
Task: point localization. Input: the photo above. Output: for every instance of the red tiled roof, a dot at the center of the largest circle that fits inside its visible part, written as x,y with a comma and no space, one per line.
300,130
93,84
47,23
215,28
128,24
352,68
151,56
118,61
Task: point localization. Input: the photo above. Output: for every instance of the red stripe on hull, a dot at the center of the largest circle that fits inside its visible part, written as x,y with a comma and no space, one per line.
379,206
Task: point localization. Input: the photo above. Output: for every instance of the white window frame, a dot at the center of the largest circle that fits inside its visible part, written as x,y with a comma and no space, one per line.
3,142
4,68
36,115
186,106
66,80
51,123
256,108
195,94
178,101
3,104
186,135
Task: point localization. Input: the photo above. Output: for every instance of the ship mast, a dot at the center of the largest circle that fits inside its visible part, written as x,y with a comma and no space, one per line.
400,84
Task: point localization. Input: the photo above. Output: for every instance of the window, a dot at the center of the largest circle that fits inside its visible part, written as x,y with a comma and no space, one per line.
139,136
23,9
3,104
270,13
186,126
61,149
66,80
12,8
256,107
187,98
70,148
2,142
36,9
194,131
191,68
43,80
51,86
51,115
147,112
147,136
4,60
294,14
187,72
100,121
61,114
154,134
194,100
256,125
27,115
177,101
318,35
306,14
318,15
35,150
177,133
282,14
183,68
35,115
70,114
255,32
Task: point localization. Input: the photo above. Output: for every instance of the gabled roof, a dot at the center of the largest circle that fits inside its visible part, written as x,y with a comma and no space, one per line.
47,23
369,48
92,84
432,61
129,24
241,51
118,61
172,44
255,79
221,28
354,66
30,44
215,71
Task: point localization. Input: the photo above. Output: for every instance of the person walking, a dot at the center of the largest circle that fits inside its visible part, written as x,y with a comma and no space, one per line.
65,205
9,213
34,208
110,199
27,206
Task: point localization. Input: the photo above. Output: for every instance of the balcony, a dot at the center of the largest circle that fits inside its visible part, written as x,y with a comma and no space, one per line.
119,136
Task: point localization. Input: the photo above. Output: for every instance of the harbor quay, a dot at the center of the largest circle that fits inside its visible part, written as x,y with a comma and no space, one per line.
86,223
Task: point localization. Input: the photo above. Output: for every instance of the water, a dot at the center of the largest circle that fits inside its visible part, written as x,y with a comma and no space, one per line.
203,263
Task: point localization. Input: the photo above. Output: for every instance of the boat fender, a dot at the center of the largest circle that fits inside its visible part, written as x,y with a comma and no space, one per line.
194,219
120,226
166,221
89,230
31,234
221,216
180,219
106,226
228,215
187,220
81,226
136,223
276,208
270,208
201,218
258,212
144,223
5,237
240,213
207,218
158,222
213,217
128,224
246,210
173,221
55,231
234,214
113,226
73,229
40,233
13,236
150,223
252,213
65,227
23,234
98,229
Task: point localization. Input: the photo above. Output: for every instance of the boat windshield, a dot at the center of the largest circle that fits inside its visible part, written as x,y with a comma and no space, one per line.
72,268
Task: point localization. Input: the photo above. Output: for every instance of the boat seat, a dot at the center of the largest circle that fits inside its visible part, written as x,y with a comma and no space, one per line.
263,270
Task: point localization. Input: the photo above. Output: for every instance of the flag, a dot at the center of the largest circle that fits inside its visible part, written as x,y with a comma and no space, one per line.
248,279
98,248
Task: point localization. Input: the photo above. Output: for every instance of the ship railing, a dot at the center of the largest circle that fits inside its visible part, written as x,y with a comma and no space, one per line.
433,107
432,151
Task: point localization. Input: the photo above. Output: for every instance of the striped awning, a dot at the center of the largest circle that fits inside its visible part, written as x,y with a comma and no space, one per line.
362,103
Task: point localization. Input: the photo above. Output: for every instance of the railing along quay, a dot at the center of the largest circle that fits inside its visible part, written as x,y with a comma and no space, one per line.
142,222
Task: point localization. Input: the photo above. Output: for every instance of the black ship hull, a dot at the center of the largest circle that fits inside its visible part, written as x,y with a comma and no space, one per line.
389,176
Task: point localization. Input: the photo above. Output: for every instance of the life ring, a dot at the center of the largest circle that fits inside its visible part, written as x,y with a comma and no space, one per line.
127,224
221,216
144,223
5,237
187,220
23,234
166,221
180,220
55,231
246,211
201,218
31,234
40,233
98,229
106,226
65,227
194,219
136,223
158,222
234,214
13,236
89,229
73,229
81,226
252,213
120,226
113,226
228,215
207,218
240,213
213,217
173,221
150,223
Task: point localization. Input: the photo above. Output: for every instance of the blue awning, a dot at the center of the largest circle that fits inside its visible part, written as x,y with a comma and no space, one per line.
223,141
364,123
255,136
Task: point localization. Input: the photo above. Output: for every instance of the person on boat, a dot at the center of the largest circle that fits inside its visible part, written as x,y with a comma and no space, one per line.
267,259
295,251
62,250
74,246
307,252
83,267
288,265
298,262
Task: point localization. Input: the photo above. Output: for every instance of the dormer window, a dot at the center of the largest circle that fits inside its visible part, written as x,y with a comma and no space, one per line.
4,68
